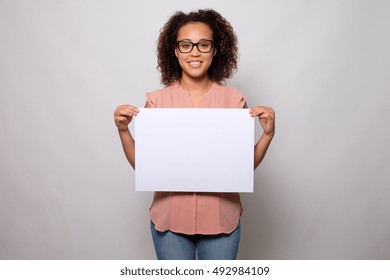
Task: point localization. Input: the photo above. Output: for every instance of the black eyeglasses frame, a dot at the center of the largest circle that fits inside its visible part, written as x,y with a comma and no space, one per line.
195,44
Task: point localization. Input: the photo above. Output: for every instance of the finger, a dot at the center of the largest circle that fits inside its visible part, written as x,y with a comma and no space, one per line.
121,119
264,116
257,111
126,112
127,108
251,110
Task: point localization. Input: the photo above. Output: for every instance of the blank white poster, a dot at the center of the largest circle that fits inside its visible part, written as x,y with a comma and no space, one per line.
194,150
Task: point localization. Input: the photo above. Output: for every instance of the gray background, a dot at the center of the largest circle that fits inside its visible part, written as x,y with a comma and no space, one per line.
66,190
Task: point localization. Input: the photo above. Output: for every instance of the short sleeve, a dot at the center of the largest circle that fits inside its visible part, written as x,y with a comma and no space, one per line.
153,97
237,98
227,97
242,100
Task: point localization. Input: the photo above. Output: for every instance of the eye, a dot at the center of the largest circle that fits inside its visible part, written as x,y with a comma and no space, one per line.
185,45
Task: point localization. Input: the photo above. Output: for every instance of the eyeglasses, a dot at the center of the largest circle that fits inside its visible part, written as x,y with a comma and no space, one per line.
204,46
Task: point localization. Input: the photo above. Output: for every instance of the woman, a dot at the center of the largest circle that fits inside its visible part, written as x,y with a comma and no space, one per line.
196,53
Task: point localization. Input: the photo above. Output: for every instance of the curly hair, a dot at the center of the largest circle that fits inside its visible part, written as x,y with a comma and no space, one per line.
225,41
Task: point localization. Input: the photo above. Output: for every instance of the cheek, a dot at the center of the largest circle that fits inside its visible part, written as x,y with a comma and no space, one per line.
210,57
180,59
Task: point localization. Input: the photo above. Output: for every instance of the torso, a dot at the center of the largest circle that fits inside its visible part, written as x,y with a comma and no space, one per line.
196,213
198,92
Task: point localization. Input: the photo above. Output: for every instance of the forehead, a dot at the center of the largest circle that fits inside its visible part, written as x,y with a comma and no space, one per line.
195,31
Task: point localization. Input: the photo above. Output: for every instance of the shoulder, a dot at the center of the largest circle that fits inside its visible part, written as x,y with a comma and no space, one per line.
163,90
154,97
228,90
232,96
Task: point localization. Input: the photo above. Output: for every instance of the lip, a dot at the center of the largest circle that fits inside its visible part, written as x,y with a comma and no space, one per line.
195,63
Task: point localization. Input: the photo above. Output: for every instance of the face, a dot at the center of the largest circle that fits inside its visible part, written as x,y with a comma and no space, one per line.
195,64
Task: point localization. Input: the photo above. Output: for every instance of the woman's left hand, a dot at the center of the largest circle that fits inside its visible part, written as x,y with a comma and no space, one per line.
266,118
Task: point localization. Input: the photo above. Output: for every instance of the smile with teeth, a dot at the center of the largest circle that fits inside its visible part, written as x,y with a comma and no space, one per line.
195,63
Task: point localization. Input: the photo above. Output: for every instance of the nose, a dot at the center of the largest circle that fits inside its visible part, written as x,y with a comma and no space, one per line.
195,51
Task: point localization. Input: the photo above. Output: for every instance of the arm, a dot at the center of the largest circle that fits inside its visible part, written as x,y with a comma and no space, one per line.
267,121
123,116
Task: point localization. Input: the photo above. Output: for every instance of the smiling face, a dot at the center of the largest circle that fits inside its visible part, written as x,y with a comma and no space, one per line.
195,64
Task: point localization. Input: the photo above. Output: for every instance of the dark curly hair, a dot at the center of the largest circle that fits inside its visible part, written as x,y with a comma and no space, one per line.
225,41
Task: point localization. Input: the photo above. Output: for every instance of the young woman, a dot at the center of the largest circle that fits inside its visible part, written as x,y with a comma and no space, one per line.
196,53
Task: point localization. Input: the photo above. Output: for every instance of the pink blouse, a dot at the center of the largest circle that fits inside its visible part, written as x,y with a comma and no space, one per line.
196,213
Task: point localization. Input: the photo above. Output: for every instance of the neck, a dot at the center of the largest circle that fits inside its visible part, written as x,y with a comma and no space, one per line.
196,85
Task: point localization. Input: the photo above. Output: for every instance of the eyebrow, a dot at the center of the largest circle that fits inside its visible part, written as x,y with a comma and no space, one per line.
188,40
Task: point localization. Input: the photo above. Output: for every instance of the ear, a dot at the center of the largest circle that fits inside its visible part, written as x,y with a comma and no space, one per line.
176,53
214,51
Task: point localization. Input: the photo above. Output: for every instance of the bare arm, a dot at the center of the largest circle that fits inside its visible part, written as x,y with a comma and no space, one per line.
267,121
123,116
261,149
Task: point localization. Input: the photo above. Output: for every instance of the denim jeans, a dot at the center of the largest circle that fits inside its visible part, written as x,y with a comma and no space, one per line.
176,246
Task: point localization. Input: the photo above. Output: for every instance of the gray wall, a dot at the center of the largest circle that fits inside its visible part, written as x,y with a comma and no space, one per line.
66,190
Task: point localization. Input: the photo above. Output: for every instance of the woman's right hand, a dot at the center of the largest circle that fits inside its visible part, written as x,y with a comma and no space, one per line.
123,115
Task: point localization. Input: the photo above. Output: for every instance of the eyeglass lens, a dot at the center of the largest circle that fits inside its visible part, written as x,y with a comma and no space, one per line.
203,46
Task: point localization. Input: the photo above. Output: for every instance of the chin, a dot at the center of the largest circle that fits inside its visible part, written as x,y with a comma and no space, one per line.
196,75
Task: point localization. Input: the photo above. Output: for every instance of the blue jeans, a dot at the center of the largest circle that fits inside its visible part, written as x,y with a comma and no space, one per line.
176,246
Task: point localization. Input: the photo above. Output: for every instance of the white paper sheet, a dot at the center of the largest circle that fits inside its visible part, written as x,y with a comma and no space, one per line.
202,150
